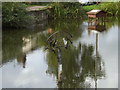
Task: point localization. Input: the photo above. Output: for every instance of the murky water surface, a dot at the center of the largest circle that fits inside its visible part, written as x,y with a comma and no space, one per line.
62,54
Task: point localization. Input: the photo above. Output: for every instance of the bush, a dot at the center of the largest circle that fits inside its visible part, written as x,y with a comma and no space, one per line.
14,14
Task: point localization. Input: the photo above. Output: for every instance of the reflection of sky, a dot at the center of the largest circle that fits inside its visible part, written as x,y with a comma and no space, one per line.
109,52
0,78
34,75
119,53
108,49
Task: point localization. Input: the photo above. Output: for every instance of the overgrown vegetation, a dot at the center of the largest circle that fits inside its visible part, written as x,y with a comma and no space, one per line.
14,14
91,7
67,10
112,8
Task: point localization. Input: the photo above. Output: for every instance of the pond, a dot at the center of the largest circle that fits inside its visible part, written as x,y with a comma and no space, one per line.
64,53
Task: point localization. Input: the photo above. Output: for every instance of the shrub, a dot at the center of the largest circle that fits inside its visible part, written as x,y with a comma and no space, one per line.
14,14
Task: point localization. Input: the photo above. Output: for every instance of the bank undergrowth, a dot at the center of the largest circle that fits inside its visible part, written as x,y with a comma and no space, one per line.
112,8
67,10
14,14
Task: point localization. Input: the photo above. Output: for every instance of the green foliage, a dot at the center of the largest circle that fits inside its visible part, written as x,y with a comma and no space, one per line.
67,10
91,7
112,8
118,6
14,14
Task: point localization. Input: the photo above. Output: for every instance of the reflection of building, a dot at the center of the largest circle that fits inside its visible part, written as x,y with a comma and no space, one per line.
96,26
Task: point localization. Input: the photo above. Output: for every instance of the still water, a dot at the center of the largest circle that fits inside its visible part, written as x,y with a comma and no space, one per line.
61,54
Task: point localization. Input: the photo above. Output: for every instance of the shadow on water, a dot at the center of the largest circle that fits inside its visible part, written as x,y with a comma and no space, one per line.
74,63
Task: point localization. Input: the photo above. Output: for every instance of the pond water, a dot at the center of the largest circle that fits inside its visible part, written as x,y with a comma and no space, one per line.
61,54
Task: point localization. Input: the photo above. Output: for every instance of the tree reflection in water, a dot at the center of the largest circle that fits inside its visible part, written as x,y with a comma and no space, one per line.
73,66
82,66
57,41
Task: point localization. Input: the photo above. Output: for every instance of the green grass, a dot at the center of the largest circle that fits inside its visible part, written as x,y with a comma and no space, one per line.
88,8
112,8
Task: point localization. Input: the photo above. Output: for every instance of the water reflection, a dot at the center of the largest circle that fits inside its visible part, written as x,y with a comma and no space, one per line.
57,41
66,54
76,64
96,27
22,59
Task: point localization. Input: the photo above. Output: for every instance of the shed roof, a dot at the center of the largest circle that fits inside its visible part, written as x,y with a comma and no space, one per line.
36,8
94,11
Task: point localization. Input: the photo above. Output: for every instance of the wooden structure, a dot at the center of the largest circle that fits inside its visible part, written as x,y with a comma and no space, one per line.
39,13
96,14
94,21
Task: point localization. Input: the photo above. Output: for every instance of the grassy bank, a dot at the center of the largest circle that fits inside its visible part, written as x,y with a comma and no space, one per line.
14,14
112,8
